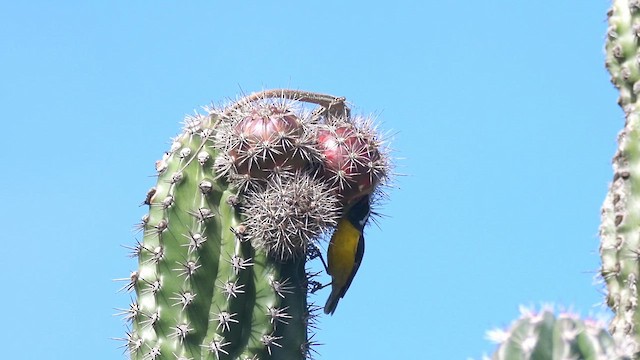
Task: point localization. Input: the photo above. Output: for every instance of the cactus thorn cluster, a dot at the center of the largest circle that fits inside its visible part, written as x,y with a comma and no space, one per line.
242,197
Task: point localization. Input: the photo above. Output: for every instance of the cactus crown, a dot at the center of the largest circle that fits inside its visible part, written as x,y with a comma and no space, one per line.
242,197
296,169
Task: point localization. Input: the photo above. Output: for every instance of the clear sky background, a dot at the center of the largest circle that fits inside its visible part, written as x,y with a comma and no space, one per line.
504,123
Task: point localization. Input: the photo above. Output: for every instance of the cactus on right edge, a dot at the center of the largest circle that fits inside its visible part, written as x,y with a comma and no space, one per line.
242,198
543,335
619,230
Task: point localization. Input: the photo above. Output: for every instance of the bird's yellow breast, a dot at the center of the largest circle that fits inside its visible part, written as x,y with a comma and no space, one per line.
342,251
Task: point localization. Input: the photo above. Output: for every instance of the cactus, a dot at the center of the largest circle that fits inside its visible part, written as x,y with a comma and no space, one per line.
540,336
620,219
543,335
242,198
619,243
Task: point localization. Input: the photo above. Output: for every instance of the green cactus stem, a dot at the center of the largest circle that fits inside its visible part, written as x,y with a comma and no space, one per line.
620,243
546,336
241,199
197,289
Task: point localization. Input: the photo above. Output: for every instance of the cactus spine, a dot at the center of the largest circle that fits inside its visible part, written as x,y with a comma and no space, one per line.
242,197
620,243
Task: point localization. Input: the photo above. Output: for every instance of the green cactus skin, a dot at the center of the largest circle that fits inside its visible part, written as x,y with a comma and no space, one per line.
620,218
203,291
239,201
544,336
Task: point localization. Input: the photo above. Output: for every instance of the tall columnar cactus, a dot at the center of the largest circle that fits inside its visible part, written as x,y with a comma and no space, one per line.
543,335
620,240
242,198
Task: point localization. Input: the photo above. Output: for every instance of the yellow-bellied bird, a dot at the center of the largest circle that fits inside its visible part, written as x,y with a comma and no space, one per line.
346,250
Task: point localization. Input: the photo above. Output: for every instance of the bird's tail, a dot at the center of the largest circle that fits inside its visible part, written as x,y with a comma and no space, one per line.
332,301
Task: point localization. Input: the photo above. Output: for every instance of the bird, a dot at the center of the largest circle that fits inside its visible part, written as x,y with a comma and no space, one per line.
346,250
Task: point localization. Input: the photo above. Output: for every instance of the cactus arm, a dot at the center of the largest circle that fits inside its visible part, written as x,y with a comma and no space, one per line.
620,217
171,287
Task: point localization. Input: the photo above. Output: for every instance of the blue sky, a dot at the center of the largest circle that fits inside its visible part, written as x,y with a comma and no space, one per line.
504,123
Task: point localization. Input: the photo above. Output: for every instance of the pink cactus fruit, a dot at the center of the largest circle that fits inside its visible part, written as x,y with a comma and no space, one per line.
352,161
263,139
